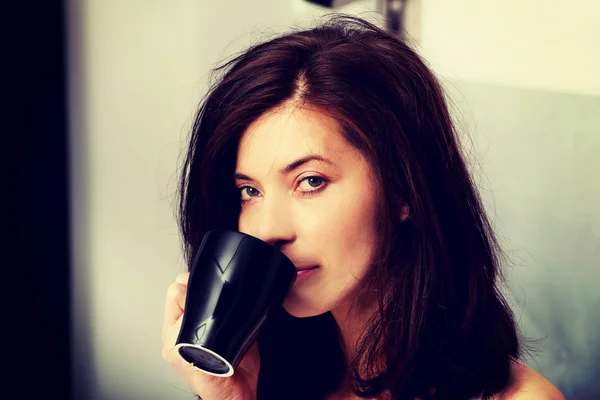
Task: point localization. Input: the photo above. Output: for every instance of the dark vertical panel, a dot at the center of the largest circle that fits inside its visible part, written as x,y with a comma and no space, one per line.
37,298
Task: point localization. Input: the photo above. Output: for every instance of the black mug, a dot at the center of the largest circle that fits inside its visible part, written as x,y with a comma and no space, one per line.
236,282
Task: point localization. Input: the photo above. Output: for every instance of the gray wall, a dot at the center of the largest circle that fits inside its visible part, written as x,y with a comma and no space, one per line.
536,157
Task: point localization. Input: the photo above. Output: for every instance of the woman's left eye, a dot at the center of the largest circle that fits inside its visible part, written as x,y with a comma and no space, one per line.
312,183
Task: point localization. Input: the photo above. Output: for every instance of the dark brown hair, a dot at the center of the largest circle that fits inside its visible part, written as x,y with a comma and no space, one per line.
442,321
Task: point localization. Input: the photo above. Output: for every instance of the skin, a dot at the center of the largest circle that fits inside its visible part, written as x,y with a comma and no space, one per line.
323,213
527,384
302,214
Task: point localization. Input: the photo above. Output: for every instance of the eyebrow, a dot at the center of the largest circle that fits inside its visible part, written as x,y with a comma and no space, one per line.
291,167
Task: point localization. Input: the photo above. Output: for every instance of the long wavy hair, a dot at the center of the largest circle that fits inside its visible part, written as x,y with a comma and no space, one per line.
442,325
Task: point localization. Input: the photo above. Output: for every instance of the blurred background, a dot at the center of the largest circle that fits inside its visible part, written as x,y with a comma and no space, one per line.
112,92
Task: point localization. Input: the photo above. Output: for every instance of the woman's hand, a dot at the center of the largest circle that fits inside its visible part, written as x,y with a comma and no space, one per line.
240,386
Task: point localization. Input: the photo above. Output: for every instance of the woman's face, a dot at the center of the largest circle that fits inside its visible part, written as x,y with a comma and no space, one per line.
318,212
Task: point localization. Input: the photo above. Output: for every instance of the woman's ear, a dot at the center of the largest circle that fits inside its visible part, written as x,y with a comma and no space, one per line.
404,213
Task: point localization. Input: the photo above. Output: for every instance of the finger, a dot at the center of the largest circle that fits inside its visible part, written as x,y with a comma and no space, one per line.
174,304
171,334
183,278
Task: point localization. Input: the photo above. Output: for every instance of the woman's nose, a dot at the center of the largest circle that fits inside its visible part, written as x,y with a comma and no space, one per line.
273,224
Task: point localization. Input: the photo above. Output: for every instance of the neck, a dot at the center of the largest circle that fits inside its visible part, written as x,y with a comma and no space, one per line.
351,321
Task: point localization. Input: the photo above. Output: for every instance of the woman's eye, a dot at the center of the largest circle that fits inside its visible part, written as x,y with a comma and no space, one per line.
248,191
308,186
312,182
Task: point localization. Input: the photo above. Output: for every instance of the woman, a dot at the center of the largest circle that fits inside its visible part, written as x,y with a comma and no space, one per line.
335,145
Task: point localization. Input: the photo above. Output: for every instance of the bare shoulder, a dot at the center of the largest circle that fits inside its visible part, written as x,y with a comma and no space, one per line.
526,384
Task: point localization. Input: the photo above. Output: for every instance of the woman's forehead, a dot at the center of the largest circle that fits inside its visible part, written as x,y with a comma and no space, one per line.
288,134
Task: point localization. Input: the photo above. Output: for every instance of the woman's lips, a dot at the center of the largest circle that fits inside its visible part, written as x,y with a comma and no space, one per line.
305,273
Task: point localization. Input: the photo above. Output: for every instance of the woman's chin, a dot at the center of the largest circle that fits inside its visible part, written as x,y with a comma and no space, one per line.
299,309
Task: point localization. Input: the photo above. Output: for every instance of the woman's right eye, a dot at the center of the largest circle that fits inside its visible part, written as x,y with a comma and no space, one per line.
249,191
